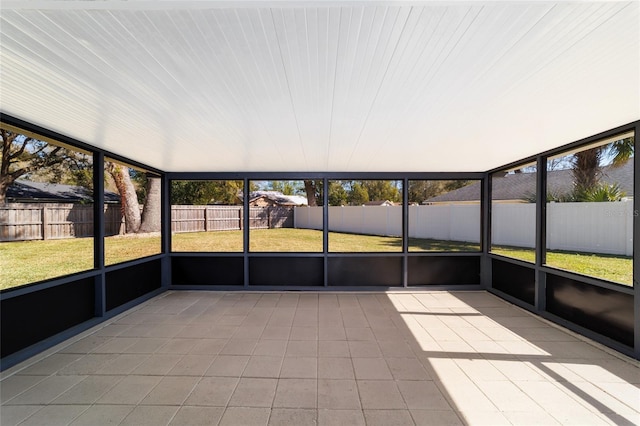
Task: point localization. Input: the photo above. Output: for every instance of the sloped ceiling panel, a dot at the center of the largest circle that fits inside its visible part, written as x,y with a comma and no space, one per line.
321,86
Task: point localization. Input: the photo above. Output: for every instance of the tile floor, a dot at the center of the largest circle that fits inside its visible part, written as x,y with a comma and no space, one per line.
423,358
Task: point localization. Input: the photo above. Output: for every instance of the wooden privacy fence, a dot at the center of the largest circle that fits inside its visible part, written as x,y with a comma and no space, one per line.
228,218
50,221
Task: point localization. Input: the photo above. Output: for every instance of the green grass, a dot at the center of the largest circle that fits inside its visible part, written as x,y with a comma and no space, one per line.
31,261
618,269
24,262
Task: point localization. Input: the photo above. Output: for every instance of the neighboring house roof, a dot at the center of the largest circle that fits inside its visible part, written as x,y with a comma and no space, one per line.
24,191
278,198
379,203
522,186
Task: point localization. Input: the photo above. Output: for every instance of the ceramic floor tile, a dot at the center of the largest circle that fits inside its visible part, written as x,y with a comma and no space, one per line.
422,395
88,364
333,348
338,394
299,368
85,345
292,416
371,368
171,391
271,348
263,366
144,415
484,418
192,365
364,349
11,415
435,418
380,395
200,346
340,418
328,359
228,365
50,365
239,347
243,416
274,332
302,348
407,369
123,364
252,392
54,415
388,418
157,364
303,333
335,368
130,390
16,384
296,393
103,415
212,391
359,333
89,390
47,390
331,333
197,416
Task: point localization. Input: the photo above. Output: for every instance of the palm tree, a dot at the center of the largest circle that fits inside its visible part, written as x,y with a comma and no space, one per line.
586,164
622,150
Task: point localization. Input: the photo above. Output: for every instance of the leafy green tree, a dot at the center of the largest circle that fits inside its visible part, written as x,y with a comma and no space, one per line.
601,193
338,195
357,194
203,192
25,156
286,187
381,190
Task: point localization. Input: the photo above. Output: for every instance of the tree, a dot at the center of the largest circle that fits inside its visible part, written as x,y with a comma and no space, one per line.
587,164
621,151
151,213
381,190
23,155
338,195
203,192
586,167
357,194
313,189
128,197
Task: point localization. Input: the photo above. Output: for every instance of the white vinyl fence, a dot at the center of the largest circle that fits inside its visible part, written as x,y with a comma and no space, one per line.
588,227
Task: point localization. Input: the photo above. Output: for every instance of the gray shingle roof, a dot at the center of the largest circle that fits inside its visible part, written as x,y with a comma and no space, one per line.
26,191
522,186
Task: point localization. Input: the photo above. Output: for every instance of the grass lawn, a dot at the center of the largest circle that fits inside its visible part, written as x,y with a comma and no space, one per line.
31,261
618,269
24,262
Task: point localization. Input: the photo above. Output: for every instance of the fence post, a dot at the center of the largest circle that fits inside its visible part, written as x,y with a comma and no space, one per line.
241,218
45,222
206,218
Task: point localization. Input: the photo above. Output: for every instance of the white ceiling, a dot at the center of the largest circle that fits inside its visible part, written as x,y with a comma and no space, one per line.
321,85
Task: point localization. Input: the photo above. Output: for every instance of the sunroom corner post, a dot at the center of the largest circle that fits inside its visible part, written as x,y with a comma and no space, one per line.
99,232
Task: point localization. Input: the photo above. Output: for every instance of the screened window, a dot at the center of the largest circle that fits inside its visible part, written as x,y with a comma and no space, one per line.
207,215
590,210
285,216
444,215
513,212
46,209
365,215
132,220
